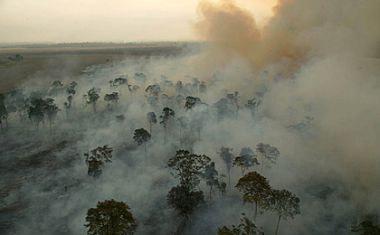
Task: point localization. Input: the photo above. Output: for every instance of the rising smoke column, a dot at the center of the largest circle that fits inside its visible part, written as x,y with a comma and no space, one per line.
331,49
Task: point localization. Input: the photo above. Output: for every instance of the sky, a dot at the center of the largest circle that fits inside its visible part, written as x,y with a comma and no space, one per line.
37,21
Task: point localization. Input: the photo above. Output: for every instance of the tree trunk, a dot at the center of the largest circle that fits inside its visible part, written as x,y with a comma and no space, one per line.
50,129
165,135
182,225
278,224
180,136
229,179
145,150
210,192
255,216
150,128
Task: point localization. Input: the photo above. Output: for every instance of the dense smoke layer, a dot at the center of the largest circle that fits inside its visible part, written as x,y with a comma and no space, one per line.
299,30
315,68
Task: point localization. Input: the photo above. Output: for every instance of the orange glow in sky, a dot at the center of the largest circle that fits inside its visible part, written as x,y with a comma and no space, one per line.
106,20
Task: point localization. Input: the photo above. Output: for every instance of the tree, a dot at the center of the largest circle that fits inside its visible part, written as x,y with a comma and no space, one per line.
366,227
118,82
284,203
191,102
167,115
36,110
68,104
51,110
246,227
140,77
70,90
56,86
268,154
227,156
253,105
112,98
211,176
189,167
225,108
234,99
3,110
141,136
246,159
184,200
255,189
153,90
96,159
182,123
92,97
110,217
152,119
179,87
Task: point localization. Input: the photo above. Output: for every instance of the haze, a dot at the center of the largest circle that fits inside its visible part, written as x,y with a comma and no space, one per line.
106,20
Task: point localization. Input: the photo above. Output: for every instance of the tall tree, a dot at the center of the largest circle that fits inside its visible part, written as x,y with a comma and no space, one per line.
111,99
92,97
246,159
36,110
141,136
182,124
96,159
211,176
68,104
51,110
184,200
110,217
167,115
227,156
284,203
268,154
253,105
255,189
188,167
152,119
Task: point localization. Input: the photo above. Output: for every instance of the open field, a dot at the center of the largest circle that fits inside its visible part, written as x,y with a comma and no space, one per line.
58,61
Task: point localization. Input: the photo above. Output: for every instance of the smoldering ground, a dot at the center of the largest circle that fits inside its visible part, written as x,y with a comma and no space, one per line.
318,79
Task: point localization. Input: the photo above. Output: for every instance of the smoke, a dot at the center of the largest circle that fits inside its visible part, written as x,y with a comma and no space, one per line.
297,32
330,51
314,66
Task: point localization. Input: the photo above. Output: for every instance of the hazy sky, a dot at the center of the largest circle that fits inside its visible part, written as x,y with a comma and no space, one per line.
105,20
